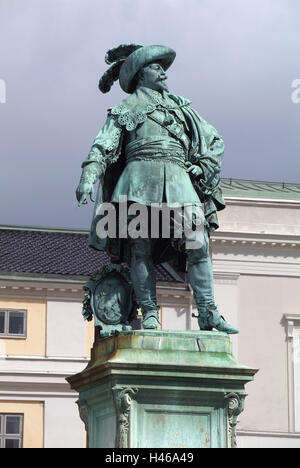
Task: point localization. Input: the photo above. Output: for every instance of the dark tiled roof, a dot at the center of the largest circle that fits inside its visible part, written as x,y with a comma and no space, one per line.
50,252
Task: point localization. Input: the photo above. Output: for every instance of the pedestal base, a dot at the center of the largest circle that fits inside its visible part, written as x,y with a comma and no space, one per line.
162,389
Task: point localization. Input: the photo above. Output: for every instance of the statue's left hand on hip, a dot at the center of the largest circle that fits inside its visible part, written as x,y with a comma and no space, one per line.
196,171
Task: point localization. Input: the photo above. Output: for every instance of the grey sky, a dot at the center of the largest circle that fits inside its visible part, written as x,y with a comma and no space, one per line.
236,60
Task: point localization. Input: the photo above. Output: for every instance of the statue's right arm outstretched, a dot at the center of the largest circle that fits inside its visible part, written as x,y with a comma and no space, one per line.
102,153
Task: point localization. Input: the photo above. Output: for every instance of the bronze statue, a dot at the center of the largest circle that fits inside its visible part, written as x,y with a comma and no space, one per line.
155,149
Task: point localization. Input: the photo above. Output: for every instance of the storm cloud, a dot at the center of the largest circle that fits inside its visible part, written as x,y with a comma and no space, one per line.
236,61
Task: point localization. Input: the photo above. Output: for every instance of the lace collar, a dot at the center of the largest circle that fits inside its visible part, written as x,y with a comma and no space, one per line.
135,108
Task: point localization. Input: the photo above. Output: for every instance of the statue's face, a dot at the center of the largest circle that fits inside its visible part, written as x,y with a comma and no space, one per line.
154,77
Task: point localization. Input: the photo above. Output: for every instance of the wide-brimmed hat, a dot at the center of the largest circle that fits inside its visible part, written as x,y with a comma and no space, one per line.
128,60
141,57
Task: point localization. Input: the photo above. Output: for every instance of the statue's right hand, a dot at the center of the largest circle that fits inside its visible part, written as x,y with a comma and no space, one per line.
84,190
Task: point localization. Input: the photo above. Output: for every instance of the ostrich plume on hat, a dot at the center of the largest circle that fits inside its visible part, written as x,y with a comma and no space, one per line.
127,60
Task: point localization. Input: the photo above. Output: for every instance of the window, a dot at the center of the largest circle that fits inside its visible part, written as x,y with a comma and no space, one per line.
293,335
297,376
11,430
13,323
137,323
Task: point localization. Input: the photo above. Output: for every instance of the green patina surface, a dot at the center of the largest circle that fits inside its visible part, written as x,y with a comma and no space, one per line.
155,150
162,389
145,348
154,388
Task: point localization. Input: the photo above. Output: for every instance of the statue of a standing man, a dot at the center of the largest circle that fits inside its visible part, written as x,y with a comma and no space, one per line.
153,149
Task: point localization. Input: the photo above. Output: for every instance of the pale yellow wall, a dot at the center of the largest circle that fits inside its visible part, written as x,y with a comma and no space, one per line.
33,429
262,303
35,343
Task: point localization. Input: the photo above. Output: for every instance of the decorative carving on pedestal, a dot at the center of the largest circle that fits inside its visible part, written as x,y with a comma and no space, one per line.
122,400
83,413
235,406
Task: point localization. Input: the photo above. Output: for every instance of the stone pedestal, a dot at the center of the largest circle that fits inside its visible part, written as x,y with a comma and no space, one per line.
162,389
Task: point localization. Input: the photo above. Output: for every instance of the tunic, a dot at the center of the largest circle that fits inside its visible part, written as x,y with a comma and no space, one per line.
143,151
155,170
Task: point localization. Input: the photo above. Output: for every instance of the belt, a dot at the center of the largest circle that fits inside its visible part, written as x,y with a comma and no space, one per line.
176,157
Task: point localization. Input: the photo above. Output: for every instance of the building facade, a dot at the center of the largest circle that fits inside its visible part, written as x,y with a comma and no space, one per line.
43,338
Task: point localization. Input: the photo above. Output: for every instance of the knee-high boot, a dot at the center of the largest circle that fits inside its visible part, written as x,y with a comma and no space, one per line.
144,281
201,279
